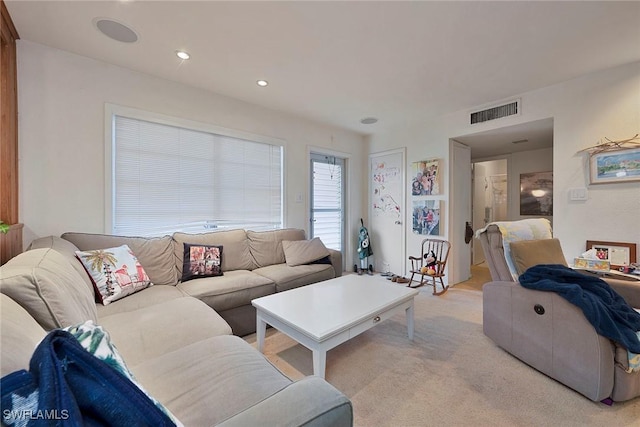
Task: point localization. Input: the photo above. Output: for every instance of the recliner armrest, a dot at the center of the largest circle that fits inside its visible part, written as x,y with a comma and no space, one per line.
629,290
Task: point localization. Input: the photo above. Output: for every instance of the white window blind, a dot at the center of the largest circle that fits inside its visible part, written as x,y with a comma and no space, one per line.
168,178
327,201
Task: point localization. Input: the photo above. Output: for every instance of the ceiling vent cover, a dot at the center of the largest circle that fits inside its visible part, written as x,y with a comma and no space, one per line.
496,112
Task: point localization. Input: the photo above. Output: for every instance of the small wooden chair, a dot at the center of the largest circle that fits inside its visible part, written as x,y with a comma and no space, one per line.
440,251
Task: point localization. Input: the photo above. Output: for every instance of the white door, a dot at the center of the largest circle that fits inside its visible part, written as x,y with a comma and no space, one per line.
387,210
459,264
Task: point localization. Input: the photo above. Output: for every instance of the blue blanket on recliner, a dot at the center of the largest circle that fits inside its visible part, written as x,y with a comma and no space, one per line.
607,311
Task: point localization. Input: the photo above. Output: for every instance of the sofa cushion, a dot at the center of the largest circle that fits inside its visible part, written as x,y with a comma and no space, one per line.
153,295
49,288
201,261
232,290
66,248
160,328
19,336
116,272
236,248
95,340
301,252
266,246
527,253
155,254
287,277
211,380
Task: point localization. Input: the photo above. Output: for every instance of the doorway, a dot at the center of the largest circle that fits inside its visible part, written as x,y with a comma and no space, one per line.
490,198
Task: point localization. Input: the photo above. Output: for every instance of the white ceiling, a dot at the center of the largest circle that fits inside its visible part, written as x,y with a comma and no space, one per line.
338,62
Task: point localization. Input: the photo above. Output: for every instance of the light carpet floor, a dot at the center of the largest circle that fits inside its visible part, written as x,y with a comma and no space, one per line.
449,375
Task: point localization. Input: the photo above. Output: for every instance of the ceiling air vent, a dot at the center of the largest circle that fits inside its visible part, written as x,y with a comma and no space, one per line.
496,112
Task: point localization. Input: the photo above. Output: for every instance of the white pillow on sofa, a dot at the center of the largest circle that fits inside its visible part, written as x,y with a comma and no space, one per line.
115,272
300,252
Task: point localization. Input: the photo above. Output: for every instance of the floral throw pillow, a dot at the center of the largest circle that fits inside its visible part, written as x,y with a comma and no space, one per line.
201,261
115,272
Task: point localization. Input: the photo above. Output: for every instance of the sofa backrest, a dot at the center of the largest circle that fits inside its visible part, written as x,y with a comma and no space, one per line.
266,246
68,250
235,248
47,286
19,336
154,253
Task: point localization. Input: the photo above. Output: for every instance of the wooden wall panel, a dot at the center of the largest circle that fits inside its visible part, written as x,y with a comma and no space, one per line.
10,243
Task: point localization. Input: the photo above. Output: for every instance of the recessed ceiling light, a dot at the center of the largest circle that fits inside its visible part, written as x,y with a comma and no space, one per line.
369,120
115,30
262,83
182,54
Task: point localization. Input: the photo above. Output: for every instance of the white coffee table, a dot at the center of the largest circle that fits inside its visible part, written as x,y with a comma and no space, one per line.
326,314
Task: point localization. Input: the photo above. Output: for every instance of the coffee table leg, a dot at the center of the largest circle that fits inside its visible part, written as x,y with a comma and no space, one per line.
409,312
319,362
261,329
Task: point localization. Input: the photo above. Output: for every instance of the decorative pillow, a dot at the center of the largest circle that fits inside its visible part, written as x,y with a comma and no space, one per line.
201,261
115,272
528,253
300,252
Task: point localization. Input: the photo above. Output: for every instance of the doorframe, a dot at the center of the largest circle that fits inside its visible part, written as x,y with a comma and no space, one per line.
402,203
507,158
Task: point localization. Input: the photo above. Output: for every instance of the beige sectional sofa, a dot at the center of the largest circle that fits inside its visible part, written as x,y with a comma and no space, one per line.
176,338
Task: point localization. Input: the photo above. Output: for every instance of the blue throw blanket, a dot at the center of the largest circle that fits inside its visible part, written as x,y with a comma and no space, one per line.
607,311
66,385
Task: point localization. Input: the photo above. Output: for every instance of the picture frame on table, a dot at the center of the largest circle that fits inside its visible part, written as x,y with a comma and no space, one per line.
619,254
615,166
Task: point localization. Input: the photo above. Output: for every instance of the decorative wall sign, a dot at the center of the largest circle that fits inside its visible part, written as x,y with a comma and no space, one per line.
426,178
536,193
427,217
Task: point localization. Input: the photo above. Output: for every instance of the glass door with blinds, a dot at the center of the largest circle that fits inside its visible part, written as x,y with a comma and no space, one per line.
327,200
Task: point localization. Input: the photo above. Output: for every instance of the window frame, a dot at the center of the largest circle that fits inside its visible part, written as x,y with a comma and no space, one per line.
112,110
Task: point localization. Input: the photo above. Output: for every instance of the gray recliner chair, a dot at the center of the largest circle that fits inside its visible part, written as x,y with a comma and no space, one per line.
550,334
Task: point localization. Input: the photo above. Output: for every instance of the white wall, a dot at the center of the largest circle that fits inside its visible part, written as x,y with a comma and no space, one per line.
585,110
61,99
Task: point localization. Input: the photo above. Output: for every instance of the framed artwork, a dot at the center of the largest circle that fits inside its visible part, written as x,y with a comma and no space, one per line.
615,166
536,193
618,254
426,178
427,217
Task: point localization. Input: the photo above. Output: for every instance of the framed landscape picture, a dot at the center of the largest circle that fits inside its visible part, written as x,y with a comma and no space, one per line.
615,166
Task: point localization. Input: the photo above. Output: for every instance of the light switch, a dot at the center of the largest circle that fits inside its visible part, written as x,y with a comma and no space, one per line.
578,194
299,198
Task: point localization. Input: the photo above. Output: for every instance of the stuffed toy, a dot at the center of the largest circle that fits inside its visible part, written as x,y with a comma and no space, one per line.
430,264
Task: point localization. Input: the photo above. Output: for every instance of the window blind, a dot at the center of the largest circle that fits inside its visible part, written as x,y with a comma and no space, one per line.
168,178
327,203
